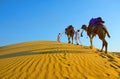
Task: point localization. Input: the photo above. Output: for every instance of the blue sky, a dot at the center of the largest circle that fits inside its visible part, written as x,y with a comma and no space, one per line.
31,20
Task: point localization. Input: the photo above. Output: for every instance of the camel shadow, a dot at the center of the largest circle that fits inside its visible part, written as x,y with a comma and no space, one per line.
34,52
25,53
16,54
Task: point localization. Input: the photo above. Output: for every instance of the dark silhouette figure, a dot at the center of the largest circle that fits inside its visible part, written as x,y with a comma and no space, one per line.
69,31
98,29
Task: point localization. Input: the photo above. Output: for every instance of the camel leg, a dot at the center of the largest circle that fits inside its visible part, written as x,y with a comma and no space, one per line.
91,38
72,39
102,46
68,39
106,44
91,43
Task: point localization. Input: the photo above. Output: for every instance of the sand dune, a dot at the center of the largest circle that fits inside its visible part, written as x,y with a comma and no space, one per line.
53,60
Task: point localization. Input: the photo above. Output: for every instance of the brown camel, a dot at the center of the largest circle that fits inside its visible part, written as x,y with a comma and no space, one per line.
69,31
99,30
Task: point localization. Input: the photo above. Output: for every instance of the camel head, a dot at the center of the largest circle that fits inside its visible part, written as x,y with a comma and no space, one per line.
84,27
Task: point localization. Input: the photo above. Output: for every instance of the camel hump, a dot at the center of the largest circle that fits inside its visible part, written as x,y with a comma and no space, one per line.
70,27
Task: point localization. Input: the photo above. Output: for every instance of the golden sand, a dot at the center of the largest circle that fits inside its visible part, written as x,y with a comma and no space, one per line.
53,60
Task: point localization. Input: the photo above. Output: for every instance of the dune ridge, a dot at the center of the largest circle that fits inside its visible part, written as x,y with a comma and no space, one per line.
53,60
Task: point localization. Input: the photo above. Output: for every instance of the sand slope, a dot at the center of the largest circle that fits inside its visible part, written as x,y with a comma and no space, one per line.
52,60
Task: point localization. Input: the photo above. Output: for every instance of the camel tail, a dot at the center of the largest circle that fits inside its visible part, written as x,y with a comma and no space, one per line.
106,31
108,34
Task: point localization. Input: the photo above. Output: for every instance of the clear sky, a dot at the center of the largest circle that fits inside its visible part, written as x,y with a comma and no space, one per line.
31,20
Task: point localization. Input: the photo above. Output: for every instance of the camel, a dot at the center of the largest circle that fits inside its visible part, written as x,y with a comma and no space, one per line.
69,31
99,30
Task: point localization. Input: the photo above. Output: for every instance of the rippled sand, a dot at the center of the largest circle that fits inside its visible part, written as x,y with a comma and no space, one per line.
53,60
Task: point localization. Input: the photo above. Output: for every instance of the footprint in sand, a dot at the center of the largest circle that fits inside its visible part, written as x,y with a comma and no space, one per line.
107,74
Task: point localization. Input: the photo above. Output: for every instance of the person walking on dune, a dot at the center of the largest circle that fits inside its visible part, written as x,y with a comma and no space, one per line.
59,37
77,37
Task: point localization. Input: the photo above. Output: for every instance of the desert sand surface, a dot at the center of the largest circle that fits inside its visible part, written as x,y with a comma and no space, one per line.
53,60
